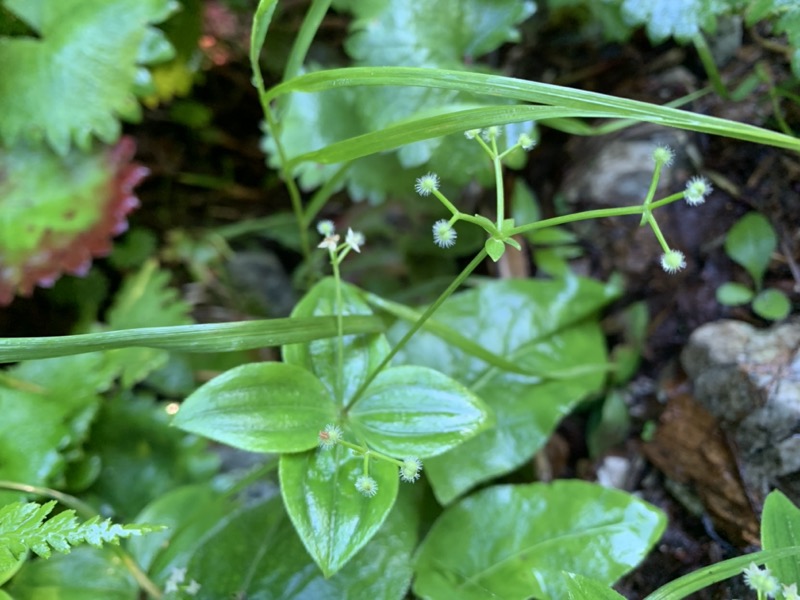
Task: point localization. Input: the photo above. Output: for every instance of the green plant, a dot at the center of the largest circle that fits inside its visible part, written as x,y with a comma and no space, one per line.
750,243
370,392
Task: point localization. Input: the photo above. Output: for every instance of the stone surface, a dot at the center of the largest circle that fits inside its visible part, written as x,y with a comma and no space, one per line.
749,379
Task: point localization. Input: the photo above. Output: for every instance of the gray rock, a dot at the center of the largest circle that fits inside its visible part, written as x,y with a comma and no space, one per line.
750,380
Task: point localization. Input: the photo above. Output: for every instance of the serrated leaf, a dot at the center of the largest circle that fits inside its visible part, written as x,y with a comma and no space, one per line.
751,242
361,353
772,304
260,407
514,541
47,407
332,518
536,324
681,19
145,300
733,294
69,207
418,412
392,32
96,50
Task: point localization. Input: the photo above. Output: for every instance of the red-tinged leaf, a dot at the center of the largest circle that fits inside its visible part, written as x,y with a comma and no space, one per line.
58,213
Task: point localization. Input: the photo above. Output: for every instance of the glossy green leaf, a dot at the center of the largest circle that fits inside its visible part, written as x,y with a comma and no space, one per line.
83,574
191,514
361,354
141,457
47,408
416,411
218,337
474,550
668,18
772,304
538,325
260,407
751,242
95,75
780,528
333,519
695,581
258,554
585,588
734,294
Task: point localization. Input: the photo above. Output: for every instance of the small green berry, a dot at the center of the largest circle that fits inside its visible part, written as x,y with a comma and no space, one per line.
491,133
696,190
444,235
367,486
330,436
525,141
472,133
427,184
663,155
410,470
326,227
673,261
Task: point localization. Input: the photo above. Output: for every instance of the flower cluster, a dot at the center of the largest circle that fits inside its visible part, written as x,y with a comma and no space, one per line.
409,469
765,583
352,241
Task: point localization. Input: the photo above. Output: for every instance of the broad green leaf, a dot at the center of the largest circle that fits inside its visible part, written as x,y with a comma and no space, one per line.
191,514
258,554
145,299
750,242
47,408
780,528
217,337
537,325
96,70
417,412
333,519
681,19
260,407
141,457
513,542
734,294
585,588
772,304
361,354
83,574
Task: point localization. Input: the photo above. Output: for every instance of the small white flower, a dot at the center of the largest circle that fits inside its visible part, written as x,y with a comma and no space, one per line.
427,184
472,133
761,580
410,470
192,588
491,133
367,486
176,577
525,141
663,155
330,242
673,261
354,239
326,227
444,235
696,190
790,592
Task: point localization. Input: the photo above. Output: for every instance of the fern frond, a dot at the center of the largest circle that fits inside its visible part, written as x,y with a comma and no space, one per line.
23,527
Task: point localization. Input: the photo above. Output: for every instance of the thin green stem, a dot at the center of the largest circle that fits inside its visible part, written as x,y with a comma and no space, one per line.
651,192
456,283
594,214
87,512
657,231
339,327
498,182
710,66
294,192
449,205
